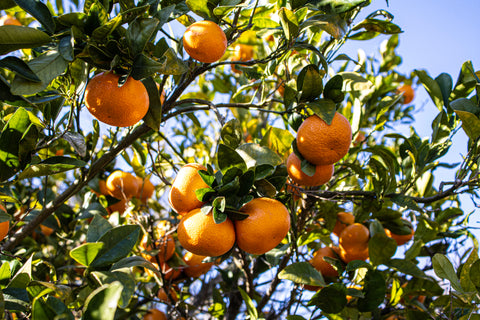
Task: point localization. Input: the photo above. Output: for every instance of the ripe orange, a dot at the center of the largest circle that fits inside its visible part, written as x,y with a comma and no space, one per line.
4,226
354,238
323,173
408,93
353,254
169,273
321,143
323,266
122,185
243,52
47,231
146,189
205,41
182,196
199,234
162,295
165,244
195,265
154,314
119,206
344,219
265,227
9,20
117,106
359,139
400,239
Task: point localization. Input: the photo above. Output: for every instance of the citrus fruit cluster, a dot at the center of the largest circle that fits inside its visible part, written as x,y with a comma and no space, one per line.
322,145
265,226
120,106
125,186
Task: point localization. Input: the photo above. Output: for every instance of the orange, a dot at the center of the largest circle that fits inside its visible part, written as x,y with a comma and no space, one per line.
182,196
265,227
117,106
321,143
119,206
400,239
4,226
353,254
323,173
9,20
205,41
169,273
354,238
162,295
195,265
243,52
165,244
395,317
344,219
154,314
122,185
359,139
408,93
146,189
199,234
323,266
47,231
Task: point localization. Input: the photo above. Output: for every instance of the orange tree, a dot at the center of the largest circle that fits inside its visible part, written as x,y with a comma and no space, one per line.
406,254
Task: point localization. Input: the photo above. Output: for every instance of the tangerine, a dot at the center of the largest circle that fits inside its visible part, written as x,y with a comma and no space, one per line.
9,20
265,227
323,144
4,226
354,238
353,254
162,295
408,93
146,189
122,185
344,219
154,314
400,239
198,233
196,267
182,196
47,231
243,52
205,41
325,268
165,244
323,173
116,106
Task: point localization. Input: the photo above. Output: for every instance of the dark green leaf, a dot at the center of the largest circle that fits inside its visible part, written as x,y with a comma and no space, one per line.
432,88
302,272
19,67
323,108
376,25
333,24
219,216
470,121
256,155
331,299
231,133
101,304
289,23
40,12
252,311
374,291
465,83
139,32
153,118
381,248
474,273
51,166
444,269
407,267
97,228
123,277
16,37
309,83
339,6
144,66
445,84
52,308
228,158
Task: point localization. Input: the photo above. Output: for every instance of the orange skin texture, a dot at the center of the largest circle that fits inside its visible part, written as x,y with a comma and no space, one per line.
323,173
154,314
408,93
122,185
323,144
354,238
8,20
116,106
195,265
165,244
353,254
47,231
243,52
344,219
205,41
146,189
162,295
182,196
169,273
400,239
4,226
265,227
323,266
199,234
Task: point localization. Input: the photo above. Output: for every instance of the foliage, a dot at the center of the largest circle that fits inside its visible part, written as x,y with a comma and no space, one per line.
242,127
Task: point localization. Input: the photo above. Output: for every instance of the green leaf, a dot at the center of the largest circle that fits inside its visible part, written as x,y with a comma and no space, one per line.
333,24
474,273
256,155
378,26
374,291
102,303
325,109
19,67
331,299
23,276
339,6
52,308
229,158
432,88
39,11
17,37
444,269
231,133
309,83
169,63
333,89
139,32
465,280
47,67
357,85
17,140
407,267
466,82
201,8
445,84
289,23
302,272
252,311
277,140
381,248
153,118
86,253
51,166
470,122
133,261
124,277
118,242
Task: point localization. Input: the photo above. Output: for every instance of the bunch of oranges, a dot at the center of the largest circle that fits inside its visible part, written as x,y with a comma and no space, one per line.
265,227
322,145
